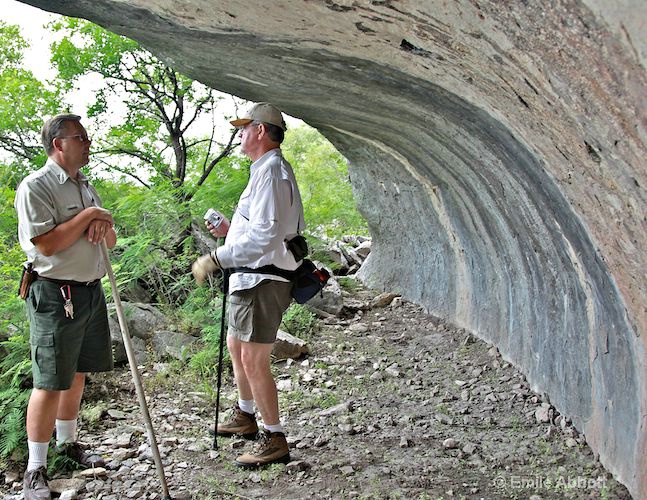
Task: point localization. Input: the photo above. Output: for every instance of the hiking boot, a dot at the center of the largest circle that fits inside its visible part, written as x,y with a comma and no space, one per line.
271,449
241,423
77,453
34,485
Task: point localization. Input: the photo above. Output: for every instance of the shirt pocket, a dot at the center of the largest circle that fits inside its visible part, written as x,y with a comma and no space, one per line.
242,208
71,209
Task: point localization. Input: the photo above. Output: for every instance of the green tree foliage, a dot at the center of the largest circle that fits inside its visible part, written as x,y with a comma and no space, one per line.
322,174
25,101
161,106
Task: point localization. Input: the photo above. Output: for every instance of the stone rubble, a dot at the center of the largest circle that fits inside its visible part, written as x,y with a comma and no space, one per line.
378,387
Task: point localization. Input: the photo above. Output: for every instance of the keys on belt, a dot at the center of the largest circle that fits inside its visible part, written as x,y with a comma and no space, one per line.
66,291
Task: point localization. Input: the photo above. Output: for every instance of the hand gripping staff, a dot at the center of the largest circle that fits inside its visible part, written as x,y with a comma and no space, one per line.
135,373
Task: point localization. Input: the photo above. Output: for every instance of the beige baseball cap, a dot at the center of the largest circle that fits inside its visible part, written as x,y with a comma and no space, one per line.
261,112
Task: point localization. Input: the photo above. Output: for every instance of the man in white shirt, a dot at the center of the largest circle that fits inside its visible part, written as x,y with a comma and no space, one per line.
269,213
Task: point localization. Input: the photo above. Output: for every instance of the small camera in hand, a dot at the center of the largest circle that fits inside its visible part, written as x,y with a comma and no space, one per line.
214,217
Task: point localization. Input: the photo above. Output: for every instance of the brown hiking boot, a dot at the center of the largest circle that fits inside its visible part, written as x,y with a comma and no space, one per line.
34,485
241,423
77,453
271,449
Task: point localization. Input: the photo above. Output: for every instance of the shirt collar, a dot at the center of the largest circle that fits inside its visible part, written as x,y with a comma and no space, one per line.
61,174
265,157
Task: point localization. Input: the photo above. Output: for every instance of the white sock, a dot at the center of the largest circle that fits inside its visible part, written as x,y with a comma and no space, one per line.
274,428
247,405
37,455
65,431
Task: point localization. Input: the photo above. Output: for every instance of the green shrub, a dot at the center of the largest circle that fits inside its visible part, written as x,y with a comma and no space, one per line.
299,321
349,284
15,363
205,361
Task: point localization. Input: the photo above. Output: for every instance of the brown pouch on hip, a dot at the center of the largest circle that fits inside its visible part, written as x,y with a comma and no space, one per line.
27,278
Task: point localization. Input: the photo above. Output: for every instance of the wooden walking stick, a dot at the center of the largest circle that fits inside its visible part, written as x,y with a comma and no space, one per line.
139,388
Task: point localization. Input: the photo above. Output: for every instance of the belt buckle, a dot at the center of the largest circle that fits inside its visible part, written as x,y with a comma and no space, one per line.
89,283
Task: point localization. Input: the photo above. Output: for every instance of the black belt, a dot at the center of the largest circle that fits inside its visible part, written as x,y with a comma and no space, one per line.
270,269
70,282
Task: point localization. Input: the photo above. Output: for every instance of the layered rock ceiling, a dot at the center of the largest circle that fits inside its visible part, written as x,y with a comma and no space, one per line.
498,151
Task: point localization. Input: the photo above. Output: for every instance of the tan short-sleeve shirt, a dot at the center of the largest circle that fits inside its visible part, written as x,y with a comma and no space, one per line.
45,199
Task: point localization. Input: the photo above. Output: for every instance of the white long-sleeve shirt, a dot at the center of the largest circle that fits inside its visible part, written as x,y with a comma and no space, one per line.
269,212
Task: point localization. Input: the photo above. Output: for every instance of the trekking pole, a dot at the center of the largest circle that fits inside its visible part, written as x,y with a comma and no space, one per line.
225,287
135,373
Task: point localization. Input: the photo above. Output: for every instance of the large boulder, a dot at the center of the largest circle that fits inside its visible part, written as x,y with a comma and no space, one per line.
142,319
329,300
174,344
204,242
119,349
288,346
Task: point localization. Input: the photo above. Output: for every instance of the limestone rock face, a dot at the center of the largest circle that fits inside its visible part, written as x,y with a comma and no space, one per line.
498,151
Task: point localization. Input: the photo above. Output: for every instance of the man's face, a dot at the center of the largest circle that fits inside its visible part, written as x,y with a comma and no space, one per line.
248,138
75,145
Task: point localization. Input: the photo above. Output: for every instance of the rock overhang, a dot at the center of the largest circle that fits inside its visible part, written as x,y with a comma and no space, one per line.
497,151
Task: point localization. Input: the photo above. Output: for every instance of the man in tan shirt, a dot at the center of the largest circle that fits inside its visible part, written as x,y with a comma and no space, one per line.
60,227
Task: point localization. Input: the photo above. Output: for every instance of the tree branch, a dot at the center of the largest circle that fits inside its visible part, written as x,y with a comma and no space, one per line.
224,153
198,109
123,171
18,147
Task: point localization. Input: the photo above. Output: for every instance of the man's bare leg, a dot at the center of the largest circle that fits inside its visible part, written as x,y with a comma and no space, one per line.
68,411
244,390
41,414
255,360
273,447
70,400
46,406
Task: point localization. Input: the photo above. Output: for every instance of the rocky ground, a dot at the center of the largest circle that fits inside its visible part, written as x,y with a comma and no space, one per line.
391,403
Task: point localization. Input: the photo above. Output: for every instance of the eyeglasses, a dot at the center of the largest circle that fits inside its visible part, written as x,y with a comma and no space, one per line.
79,137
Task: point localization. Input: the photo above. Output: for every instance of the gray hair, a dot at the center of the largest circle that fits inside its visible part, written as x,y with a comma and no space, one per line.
53,128
274,132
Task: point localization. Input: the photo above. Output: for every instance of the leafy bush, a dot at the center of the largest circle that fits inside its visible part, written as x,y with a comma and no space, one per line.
205,362
15,363
222,190
299,321
349,284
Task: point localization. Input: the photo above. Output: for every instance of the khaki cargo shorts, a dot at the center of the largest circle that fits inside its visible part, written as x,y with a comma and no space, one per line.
255,314
61,346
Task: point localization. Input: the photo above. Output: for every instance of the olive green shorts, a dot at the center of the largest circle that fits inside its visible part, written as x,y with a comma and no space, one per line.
61,346
255,314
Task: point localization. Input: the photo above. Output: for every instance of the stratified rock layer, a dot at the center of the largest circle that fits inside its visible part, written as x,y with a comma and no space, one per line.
498,152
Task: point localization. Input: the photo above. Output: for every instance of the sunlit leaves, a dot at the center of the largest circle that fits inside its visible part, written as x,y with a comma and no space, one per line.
322,174
160,104
12,46
25,101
